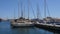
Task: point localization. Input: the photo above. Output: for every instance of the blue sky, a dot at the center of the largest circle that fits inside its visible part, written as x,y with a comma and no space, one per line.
7,8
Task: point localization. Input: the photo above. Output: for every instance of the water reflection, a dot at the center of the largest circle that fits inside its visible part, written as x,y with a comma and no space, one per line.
6,29
50,30
23,31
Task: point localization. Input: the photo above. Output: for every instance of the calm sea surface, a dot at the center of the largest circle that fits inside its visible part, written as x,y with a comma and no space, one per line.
5,28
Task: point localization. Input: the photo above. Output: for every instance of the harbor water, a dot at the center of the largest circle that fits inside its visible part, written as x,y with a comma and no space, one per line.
5,28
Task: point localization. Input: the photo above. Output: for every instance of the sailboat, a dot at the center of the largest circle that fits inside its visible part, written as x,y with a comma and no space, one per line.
50,26
22,22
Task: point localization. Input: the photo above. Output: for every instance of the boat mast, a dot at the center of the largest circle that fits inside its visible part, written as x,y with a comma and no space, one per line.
31,8
21,10
44,8
33,11
18,8
28,9
37,11
24,11
48,10
14,13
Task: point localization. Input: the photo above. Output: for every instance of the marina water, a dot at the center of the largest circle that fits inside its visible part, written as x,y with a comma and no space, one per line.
5,28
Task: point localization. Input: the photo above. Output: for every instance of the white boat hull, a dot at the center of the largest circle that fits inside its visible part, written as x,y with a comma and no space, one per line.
22,24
